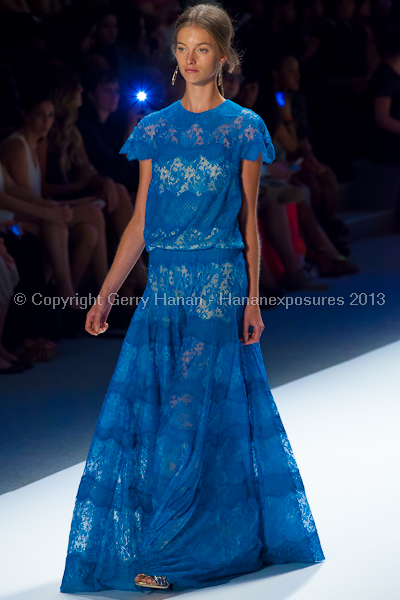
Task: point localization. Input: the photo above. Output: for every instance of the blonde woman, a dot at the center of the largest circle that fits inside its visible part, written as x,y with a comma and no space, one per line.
69,173
190,478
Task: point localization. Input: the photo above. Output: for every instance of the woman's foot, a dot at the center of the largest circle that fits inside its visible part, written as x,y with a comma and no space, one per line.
7,356
8,359
330,265
339,266
141,578
38,349
160,582
298,281
7,367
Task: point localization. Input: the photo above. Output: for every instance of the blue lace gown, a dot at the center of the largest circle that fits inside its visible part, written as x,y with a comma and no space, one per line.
190,473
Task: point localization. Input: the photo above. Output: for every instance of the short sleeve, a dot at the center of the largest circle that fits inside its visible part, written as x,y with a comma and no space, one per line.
138,146
256,141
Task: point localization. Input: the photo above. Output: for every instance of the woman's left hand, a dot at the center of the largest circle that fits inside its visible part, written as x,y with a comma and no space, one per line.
252,316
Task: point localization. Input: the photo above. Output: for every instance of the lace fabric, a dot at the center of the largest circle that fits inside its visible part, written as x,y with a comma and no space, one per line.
195,193
190,473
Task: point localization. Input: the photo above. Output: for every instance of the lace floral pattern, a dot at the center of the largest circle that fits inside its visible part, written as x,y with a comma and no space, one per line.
195,194
190,473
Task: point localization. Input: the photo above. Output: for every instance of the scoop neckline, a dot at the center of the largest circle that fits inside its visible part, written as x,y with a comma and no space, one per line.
203,112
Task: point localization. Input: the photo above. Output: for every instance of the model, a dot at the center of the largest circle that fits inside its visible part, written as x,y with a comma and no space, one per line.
190,478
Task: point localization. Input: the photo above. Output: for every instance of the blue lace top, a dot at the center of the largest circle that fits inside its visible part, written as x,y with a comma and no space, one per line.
195,196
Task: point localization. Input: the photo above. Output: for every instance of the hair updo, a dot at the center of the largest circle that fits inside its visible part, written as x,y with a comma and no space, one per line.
214,19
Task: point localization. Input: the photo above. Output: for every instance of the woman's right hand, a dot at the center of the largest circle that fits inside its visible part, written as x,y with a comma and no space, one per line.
96,319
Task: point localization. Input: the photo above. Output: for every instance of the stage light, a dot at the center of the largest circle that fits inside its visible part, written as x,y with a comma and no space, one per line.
141,96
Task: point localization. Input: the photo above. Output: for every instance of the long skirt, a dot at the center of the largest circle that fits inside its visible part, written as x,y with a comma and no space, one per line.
190,473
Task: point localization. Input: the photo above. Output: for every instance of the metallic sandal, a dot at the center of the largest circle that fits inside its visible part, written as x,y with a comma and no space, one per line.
160,582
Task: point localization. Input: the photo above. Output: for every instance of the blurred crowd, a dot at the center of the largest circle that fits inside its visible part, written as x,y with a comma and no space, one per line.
323,74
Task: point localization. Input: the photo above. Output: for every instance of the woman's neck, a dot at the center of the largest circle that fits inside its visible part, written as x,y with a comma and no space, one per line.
102,114
199,99
31,138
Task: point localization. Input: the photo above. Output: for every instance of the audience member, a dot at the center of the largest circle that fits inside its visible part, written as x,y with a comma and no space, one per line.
20,158
383,135
104,131
319,178
105,51
9,277
70,174
26,323
277,197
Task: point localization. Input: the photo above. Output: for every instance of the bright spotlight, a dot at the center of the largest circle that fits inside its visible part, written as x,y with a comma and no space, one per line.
141,96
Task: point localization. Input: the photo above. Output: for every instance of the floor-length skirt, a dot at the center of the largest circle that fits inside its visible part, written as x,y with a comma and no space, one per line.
190,473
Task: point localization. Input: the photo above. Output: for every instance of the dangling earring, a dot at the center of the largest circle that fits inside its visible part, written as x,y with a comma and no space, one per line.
174,75
220,75
220,81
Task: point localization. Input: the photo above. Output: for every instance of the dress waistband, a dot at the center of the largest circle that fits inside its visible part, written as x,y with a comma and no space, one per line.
198,255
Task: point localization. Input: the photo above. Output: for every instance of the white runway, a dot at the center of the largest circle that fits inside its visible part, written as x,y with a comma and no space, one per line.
343,424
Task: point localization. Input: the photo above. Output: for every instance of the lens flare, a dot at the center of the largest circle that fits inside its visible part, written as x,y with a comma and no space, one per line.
141,96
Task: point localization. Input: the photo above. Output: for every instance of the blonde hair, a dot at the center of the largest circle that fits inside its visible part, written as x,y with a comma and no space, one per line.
64,137
214,19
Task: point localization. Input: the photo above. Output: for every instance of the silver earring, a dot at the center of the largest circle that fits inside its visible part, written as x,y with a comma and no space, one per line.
220,82
174,75
220,75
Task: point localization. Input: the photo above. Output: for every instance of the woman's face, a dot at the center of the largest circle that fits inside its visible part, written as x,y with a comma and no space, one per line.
106,96
248,94
319,8
289,74
198,56
364,9
40,119
107,29
232,83
346,10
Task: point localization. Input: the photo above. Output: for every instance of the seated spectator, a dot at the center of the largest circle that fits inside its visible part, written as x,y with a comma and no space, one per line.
319,178
232,82
383,136
26,324
276,194
103,132
319,247
105,50
70,174
79,230
9,277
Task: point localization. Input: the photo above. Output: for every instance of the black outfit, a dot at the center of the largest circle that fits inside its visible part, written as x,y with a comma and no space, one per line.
102,143
384,146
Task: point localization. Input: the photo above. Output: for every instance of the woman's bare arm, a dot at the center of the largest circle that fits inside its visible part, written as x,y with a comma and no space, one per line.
13,157
287,137
129,250
247,218
132,242
18,191
382,116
